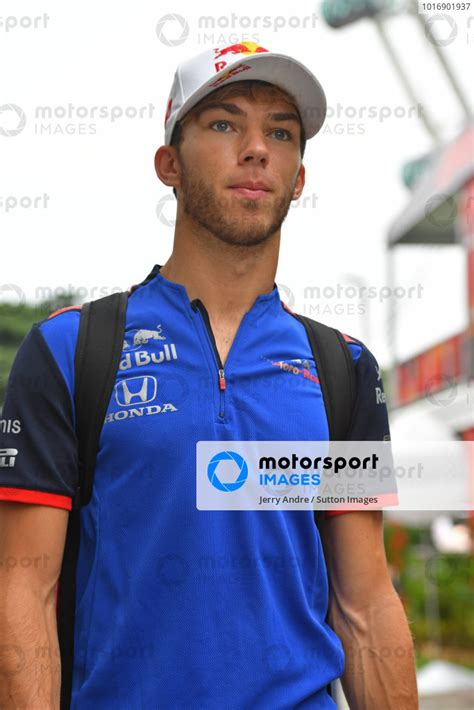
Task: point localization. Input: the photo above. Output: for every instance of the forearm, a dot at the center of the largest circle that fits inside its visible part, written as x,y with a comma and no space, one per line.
379,669
30,665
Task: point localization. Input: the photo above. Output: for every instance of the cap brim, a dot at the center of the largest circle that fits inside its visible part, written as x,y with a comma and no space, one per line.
278,69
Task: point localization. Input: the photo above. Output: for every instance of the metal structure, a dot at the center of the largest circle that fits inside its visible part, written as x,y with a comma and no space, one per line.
439,211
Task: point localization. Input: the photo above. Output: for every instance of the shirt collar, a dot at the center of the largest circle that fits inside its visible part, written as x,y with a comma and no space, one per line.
264,301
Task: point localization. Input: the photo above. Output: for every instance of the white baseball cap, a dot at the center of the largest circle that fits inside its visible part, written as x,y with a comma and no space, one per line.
201,74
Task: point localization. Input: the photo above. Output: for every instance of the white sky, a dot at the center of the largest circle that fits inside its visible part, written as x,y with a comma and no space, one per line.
95,224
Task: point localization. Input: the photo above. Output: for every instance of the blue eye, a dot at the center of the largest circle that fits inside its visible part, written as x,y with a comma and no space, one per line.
288,134
221,122
215,123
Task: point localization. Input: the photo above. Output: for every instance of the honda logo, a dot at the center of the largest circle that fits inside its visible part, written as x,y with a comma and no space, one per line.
135,390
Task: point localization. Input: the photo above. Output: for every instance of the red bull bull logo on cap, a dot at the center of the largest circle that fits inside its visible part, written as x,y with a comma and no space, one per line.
240,48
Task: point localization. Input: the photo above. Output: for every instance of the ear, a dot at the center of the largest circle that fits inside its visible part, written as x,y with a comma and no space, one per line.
167,165
299,184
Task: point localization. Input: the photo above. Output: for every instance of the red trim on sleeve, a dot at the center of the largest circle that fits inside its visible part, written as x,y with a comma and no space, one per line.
66,308
348,339
20,495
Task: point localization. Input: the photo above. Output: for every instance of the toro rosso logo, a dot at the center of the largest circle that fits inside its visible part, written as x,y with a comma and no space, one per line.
241,48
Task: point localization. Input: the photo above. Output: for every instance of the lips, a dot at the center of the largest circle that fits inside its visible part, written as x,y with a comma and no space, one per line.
251,190
252,186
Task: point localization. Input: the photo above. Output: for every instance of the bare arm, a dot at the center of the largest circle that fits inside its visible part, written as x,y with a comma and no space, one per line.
32,541
367,615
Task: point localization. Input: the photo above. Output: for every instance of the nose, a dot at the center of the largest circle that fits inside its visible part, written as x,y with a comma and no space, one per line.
253,147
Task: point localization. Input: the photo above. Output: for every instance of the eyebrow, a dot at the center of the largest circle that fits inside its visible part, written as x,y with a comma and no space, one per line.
236,111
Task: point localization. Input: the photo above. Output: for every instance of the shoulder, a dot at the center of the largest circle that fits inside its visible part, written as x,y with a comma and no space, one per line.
362,356
368,370
59,332
61,323
370,415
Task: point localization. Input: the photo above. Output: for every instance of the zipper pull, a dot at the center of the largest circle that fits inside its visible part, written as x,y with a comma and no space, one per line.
221,380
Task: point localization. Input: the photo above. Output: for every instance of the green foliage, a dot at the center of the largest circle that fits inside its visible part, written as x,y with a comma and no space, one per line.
426,578
15,322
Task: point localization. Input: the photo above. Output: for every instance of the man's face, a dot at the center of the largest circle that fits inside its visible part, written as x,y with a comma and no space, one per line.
236,142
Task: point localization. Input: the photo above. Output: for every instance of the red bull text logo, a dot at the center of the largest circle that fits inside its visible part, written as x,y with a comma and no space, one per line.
228,74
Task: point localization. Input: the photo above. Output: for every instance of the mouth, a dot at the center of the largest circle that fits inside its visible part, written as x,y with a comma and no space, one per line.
256,191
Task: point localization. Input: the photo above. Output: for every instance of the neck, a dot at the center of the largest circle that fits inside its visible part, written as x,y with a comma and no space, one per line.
225,277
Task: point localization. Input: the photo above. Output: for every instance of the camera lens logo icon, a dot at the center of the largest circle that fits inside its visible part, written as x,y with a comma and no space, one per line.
240,465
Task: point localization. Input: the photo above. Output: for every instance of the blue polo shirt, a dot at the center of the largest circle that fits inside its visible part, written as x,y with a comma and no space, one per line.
176,607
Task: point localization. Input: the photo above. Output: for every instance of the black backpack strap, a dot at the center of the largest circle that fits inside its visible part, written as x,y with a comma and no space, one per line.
98,351
336,374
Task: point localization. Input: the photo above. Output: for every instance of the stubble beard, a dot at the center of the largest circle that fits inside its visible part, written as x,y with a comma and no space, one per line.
248,225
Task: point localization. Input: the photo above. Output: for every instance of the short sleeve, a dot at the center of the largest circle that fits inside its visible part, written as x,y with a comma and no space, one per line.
370,415
369,420
38,445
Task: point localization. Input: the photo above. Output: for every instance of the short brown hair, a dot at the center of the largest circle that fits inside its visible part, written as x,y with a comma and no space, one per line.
245,87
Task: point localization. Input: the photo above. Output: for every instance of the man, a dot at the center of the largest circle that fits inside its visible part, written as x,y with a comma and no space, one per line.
176,607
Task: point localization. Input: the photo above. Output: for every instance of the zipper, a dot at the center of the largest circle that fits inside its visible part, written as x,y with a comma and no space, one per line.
197,304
